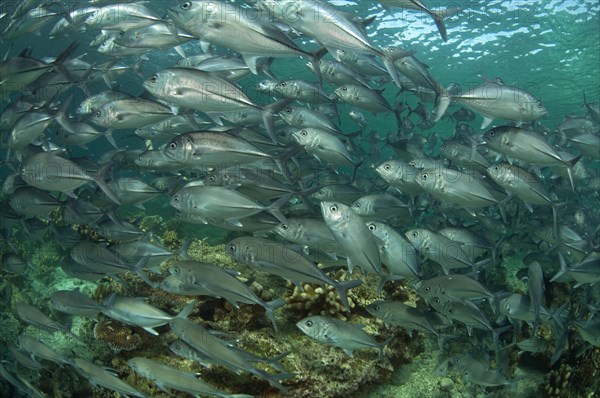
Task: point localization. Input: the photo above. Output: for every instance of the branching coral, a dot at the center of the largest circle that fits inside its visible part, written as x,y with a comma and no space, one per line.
317,300
558,382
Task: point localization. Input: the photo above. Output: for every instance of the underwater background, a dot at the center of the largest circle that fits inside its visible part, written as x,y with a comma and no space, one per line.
548,48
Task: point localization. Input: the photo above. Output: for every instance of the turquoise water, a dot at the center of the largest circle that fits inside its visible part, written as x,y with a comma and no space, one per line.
550,49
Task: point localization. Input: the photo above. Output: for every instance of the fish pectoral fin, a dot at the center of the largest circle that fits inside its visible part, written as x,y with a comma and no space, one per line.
235,222
150,330
250,60
486,122
348,352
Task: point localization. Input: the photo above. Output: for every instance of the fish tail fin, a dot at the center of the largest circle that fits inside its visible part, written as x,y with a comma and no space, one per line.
275,207
273,379
267,116
442,102
271,306
187,310
387,278
438,17
274,362
343,287
570,164
388,62
381,347
58,63
563,267
139,270
185,247
315,60
100,180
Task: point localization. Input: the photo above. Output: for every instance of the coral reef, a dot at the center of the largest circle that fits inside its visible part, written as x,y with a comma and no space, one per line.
117,336
558,383
171,240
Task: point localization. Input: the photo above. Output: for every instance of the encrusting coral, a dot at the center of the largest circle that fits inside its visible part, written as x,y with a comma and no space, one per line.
117,336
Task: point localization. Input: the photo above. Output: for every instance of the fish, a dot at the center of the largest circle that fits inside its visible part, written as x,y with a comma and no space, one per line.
130,113
221,283
33,316
73,302
134,311
353,236
462,189
396,253
167,377
528,146
380,207
38,349
99,376
325,147
281,260
219,353
310,232
208,21
498,101
437,15
223,203
535,289
51,172
436,247
331,331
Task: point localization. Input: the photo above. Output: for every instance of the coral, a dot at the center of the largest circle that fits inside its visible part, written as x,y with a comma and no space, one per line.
87,231
585,375
117,336
150,222
558,383
170,240
319,300
10,327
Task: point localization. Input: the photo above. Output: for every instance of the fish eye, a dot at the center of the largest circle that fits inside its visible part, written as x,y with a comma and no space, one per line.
288,110
424,176
357,205
303,133
232,248
282,84
375,308
309,323
496,167
491,133
98,113
539,104
153,79
176,198
186,5
427,289
333,208
173,145
284,227
387,167
211,178
414,234
372,227
344,88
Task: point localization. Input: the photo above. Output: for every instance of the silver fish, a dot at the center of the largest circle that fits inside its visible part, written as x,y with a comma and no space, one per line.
166,377
222,203
99,376
281,260
220,353
135,312
332,331
351,233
